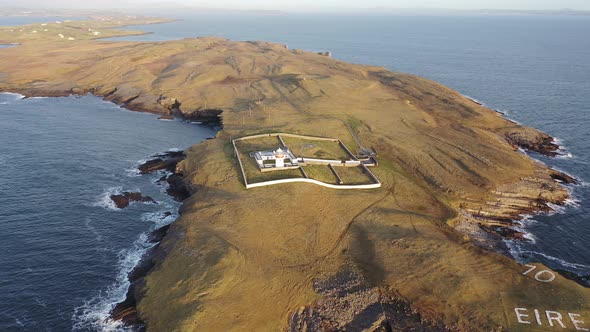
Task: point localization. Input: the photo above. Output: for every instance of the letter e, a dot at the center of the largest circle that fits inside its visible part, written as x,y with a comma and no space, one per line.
520,315
577,323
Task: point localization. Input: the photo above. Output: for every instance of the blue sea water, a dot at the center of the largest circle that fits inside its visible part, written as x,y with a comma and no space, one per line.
65,251
65,248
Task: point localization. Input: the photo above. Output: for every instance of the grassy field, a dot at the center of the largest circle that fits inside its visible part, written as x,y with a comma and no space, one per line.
258,144
321,173
320,149
353,175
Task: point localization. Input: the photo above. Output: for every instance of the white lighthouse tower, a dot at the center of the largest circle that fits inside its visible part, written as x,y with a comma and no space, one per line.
279,158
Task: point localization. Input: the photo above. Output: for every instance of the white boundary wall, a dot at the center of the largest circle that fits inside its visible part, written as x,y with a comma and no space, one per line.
319,183
377,183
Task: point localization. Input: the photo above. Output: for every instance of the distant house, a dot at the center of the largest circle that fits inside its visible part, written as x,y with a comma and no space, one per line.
278,158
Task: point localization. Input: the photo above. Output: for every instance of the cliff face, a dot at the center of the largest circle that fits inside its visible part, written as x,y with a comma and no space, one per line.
247,260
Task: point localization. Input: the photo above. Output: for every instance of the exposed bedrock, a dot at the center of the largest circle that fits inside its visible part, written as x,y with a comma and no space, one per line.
169,161
177,187
165,161
532,140
207,116
347,303
123,200
490,221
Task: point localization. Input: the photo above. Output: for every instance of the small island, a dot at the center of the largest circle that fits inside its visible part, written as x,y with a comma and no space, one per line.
422,251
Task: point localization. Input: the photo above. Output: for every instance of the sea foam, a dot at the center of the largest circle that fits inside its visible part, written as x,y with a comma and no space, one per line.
94,314
104,200
7,98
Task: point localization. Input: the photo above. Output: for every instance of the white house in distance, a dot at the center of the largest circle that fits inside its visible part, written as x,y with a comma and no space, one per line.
279,158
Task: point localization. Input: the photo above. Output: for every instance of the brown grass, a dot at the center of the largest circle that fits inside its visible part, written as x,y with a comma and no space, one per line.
243,260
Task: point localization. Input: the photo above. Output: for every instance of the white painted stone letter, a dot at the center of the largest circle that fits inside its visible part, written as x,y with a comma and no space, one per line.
531,267
520,315
554,316
578,324
538,317
550,276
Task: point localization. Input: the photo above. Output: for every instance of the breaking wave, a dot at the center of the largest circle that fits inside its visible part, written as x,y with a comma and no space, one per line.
94,314
9,97
561,262
104,200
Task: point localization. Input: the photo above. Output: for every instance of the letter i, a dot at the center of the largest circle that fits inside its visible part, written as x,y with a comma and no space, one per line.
538,317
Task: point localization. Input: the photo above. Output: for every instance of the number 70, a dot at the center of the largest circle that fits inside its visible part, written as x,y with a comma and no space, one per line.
550,276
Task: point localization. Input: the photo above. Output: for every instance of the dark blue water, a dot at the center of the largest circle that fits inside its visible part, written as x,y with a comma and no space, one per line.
66,249
533,68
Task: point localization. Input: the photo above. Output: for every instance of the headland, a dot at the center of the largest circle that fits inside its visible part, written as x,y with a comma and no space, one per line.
421,250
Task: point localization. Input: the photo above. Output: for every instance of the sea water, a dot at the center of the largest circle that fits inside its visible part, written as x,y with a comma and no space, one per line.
65,250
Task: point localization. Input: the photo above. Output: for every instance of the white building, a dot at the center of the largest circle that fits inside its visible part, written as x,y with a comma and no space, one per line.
278,158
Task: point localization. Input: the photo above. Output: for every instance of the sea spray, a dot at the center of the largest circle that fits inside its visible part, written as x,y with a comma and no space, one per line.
94,314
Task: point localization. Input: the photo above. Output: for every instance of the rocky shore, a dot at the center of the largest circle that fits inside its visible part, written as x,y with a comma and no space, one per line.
123,200
126,311
271,259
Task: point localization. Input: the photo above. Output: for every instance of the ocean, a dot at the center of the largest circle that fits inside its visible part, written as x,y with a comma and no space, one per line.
65,251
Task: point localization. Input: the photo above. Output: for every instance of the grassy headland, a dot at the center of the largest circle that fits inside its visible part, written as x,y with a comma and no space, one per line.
246,260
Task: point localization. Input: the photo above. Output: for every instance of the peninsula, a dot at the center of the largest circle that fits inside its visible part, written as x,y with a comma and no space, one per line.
419,252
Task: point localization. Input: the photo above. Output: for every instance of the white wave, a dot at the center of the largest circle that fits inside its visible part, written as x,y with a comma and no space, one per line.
564,154
94,314
572,202
530,237
13,94
105,201
132,172
522,225
7,98
475,100
557,209
160,218
560,261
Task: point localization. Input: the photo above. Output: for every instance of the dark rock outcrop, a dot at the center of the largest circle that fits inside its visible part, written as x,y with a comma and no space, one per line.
562,177
157,235
177,187
505,232
123,200
533,140
205,116
165,161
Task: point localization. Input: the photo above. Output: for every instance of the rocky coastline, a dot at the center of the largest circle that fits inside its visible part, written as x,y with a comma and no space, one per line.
126,311
408,253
